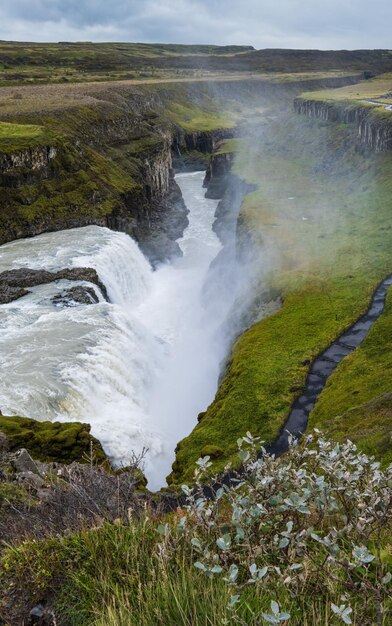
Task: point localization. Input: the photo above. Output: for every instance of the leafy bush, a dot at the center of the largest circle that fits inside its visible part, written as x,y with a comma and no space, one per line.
314,523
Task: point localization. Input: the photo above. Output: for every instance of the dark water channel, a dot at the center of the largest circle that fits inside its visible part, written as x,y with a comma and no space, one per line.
323,366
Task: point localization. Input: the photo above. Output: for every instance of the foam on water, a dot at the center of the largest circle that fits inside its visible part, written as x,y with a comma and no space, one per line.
138,369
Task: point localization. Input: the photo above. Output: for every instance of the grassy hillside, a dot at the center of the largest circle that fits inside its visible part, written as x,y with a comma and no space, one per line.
70,62
321,221
79,62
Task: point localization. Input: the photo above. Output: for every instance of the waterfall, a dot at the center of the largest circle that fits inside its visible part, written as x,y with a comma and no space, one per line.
138,369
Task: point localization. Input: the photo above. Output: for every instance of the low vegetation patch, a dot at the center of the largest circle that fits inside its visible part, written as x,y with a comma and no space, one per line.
378,89
20,136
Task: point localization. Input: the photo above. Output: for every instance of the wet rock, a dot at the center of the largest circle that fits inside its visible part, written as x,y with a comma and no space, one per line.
14,283
9,294
218,174
76,295
22,462
215,452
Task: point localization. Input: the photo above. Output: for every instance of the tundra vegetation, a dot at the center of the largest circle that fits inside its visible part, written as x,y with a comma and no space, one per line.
300,540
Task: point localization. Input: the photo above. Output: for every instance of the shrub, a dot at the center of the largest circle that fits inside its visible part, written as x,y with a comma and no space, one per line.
315,522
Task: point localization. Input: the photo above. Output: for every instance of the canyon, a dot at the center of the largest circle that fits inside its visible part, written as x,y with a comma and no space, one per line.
145,147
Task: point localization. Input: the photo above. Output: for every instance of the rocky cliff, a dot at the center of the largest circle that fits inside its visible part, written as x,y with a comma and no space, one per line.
114,171
373,124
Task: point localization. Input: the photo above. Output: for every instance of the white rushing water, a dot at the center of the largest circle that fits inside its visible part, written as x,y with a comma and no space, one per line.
139,369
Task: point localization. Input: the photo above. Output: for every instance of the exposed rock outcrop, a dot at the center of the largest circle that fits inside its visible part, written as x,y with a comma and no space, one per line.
111,162
76,295
216,179
26,165
14,283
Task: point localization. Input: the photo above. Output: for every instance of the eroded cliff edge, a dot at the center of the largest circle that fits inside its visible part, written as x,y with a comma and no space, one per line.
373,125
112,170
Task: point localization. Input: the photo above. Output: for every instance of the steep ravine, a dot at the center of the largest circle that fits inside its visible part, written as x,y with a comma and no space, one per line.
106,157
148,206
138,364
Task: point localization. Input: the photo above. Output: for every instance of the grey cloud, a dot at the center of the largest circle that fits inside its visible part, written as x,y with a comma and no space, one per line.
262,23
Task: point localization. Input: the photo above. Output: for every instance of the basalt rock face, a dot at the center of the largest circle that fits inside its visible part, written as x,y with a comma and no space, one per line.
192,150
374,125
221,183
111,163
162,218
26,166
159,212
61,181
217,175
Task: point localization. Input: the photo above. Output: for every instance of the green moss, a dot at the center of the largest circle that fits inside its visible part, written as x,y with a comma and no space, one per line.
16,137
212,451
196,119
52,441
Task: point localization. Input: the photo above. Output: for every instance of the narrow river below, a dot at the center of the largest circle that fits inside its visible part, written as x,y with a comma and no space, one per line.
138,369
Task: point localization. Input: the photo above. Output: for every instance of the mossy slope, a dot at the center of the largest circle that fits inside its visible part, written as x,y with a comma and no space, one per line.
62,442
322,222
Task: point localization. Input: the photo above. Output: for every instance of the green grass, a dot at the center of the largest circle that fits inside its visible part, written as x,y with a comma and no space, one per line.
194,118
357,401
14,137
117,574
66,62
325,266
374,89
228,146
19,131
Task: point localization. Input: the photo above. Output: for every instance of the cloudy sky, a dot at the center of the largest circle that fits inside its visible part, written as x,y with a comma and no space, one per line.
325,24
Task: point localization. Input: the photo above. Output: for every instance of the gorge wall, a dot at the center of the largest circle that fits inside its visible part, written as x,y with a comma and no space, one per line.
109,161
373,124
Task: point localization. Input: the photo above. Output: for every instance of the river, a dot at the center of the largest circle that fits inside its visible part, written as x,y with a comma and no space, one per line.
138,369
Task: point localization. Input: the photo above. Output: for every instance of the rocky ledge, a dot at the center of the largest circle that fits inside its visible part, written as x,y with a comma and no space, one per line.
14,283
